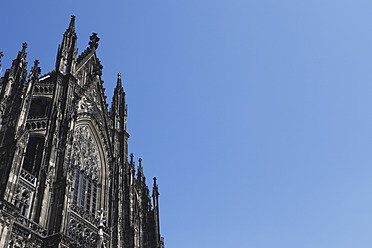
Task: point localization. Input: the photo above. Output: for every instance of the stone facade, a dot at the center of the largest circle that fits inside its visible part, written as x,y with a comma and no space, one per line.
66,180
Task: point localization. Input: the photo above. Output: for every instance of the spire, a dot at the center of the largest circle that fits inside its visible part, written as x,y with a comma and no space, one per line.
24,46
22,54
11,96
71,27
19,64
155,187
118,107
155,198
67,55
118,84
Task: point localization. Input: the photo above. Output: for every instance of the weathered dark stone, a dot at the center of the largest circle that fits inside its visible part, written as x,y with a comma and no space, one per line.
65,176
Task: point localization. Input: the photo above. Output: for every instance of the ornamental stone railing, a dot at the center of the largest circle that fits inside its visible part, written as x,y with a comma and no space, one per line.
28,177
31,225
37,123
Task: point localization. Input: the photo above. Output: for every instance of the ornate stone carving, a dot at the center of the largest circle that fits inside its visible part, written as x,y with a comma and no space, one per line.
93,43
85,152
83,165
24,195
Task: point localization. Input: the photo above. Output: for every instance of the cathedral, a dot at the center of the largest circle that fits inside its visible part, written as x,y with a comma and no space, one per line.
66,179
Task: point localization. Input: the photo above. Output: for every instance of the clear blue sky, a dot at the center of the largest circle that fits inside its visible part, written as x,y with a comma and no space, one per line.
256,116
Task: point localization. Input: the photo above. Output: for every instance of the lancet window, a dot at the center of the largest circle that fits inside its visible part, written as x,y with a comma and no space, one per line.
85,162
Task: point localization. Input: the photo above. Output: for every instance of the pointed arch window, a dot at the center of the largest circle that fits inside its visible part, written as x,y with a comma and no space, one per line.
85,161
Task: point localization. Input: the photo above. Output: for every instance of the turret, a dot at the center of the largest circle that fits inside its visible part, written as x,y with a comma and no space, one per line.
67,54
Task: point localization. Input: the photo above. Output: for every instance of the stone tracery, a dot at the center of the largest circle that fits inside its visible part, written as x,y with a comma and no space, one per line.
85,160
85,152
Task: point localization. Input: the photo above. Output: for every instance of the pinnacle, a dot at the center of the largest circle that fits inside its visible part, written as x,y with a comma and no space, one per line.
24,46
71,27
36,62
93,41
22,54
118,84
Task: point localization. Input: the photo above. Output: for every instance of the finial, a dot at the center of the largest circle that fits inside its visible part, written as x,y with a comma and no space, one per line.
35,71
24,46
155,190
118,83
140,175
131,158
93,43
140,162
22,54
36,62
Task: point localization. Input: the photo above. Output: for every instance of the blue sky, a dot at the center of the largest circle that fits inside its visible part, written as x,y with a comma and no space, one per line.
255,116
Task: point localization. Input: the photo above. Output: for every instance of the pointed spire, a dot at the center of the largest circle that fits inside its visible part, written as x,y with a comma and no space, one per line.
155,190
22,53
155,185
66,56
19,65
155,198
71,27
118,84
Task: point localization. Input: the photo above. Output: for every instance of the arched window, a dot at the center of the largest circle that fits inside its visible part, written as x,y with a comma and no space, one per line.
85,161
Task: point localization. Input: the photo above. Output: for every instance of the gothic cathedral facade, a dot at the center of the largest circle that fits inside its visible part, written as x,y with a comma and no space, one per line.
65,176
